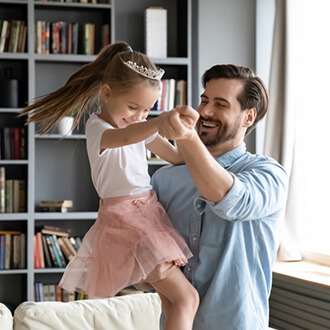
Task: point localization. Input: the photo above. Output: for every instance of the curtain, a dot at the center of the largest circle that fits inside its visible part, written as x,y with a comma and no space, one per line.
280,141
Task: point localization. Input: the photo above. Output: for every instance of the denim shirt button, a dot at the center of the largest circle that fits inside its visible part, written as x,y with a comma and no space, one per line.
194,238
200,205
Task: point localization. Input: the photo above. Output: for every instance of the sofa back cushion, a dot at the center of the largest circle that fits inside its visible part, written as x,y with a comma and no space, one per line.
6,318
131,312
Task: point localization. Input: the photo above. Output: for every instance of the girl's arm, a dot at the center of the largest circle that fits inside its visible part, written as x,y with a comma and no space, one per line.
134,133
165,150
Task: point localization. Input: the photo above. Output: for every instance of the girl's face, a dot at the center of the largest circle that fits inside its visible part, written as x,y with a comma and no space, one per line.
123,109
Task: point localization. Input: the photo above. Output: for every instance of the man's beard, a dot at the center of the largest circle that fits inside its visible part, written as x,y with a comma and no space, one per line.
223,135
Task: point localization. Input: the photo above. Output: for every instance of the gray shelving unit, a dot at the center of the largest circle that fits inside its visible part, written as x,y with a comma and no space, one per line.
56,167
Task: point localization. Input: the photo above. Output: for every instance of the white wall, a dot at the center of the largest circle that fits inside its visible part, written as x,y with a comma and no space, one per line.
226,33
264,38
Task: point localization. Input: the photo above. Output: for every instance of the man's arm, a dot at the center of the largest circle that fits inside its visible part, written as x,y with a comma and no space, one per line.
210,178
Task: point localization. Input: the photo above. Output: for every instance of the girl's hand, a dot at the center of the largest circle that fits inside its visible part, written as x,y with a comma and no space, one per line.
179,123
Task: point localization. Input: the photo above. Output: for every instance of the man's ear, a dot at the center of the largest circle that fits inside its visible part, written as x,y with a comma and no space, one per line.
250,116
105,92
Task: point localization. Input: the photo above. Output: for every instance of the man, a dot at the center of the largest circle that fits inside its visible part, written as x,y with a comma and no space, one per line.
225,202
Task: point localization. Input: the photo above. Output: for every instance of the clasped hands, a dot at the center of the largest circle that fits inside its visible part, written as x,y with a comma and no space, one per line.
179,123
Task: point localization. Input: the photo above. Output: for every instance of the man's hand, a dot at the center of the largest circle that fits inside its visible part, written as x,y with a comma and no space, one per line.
178,124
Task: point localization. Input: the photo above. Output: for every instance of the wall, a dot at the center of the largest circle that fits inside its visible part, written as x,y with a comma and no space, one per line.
239,32
226,33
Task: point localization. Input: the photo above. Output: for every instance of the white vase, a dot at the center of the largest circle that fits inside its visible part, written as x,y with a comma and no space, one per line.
65,126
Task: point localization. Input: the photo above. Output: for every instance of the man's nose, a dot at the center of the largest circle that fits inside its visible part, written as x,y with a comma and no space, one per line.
206,110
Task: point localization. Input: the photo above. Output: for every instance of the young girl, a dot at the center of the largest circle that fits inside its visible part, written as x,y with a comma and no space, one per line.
132,240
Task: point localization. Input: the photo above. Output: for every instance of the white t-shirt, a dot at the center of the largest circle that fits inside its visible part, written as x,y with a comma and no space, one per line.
116,171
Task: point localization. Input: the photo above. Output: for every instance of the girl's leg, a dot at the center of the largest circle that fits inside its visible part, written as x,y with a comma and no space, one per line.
180,300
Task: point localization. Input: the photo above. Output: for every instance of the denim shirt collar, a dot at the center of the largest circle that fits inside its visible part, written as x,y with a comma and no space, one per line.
229,157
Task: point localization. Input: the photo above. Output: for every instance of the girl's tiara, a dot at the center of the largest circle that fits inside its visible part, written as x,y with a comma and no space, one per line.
149,73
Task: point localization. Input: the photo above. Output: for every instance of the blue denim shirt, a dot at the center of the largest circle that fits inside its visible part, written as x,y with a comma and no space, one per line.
233,241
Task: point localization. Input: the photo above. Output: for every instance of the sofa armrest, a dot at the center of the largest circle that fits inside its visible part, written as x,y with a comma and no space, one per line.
6,318
131,312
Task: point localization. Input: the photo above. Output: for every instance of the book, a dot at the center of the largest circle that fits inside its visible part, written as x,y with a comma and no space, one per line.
9,198
55,261
58,293
156,32
105,35
46,292
8,251
75,37
2,251
15,260
2,189
54,248
38,292
14,34
7,143
36,254
69,38
59,251
55,206
5,26
48,261
40,250
171,93
67,253
65,203
58,231
51,289
91,38
15,195
22,261
38,37
69,245
21,36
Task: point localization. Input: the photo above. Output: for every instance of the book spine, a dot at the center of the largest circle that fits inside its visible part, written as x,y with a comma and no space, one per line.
48,262
51,251
22,261
2,251
2,189
41,250
8,251
36,255
57,256
3,36
63,263
9,196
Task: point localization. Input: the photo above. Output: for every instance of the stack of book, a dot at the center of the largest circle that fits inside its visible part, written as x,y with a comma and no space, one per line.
68,37
53,292
79,1
12,250
55,206
12,194
12,36
12,143
173,93
54,248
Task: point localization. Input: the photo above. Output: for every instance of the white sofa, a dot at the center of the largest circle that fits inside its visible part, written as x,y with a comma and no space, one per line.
130,312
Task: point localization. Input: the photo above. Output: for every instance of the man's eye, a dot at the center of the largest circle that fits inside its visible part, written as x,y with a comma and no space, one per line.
132,108
219,105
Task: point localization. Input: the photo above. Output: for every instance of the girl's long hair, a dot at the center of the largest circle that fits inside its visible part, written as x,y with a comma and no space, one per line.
82,90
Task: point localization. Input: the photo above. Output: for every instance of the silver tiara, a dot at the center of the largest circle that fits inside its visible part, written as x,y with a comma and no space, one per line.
149,73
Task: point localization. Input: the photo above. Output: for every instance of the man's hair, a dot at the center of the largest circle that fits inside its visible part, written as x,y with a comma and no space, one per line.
254,94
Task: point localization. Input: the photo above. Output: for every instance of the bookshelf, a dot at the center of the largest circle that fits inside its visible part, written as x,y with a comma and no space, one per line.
56,167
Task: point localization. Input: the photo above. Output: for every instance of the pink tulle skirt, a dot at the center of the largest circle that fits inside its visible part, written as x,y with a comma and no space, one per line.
130,237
